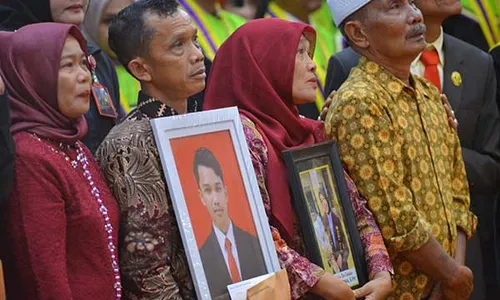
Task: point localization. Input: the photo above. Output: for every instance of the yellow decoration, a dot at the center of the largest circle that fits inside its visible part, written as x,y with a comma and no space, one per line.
456,78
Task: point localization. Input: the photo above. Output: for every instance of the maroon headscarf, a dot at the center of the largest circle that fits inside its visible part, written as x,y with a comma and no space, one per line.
254,70
29,65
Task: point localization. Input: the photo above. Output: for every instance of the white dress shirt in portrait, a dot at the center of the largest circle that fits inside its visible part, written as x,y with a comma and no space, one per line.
221,238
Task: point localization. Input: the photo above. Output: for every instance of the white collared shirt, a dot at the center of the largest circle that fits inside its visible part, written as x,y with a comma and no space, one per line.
417,66
221,238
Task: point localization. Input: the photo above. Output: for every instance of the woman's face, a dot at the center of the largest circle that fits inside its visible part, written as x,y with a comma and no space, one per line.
68,11
74,81
324,203
304,79
109,12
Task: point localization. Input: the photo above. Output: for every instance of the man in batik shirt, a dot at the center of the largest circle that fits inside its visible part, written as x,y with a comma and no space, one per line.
394,139
153,263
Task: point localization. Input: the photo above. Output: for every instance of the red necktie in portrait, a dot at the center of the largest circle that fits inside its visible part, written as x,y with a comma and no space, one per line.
430,59
233,268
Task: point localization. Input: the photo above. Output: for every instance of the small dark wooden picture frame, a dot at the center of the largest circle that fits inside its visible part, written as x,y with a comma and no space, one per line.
325,211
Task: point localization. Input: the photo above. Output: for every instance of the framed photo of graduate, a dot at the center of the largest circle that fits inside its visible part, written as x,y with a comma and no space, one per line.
325,212
216,199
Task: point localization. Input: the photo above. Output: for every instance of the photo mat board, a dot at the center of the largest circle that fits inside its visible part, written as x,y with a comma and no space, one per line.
325,212
202,204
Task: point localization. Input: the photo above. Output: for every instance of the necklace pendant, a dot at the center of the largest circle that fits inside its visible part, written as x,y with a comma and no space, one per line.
81,159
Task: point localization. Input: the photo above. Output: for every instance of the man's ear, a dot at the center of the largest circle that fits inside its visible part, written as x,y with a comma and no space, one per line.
140,69
201,197
356,34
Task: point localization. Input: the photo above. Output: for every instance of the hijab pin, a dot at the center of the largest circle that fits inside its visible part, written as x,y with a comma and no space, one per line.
93,65
456,78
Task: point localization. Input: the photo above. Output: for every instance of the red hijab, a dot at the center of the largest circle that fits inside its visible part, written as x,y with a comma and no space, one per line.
29,65
254,70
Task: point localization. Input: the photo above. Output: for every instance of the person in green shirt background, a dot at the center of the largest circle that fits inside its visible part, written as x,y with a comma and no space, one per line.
478,24
329,39
248,9
95,28
214,23
485,13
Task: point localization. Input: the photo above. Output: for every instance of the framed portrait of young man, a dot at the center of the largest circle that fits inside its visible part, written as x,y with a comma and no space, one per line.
325,212
216,199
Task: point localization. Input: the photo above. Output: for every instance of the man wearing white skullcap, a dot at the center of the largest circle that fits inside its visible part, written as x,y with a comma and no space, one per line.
341,9
394,139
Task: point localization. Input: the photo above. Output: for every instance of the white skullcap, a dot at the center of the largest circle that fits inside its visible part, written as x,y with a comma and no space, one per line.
341,9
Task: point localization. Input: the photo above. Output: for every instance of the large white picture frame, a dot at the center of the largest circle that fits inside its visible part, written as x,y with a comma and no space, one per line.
200,186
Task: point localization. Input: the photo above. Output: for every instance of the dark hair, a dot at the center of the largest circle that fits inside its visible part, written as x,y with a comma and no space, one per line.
129,36
262,6
342,29
262,9
359,15
205,157
323,193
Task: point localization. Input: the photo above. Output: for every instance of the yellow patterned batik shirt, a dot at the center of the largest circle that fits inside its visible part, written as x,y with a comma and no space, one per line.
396,144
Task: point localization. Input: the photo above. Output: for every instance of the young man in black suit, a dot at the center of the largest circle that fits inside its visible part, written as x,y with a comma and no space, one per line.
230,254
465,74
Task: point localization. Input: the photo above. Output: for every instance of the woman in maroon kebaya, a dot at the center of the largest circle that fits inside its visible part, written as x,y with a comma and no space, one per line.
60,225
279,74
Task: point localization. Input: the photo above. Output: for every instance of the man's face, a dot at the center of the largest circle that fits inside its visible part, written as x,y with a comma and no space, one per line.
213,194
310,5
394,29
439,8
175,61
